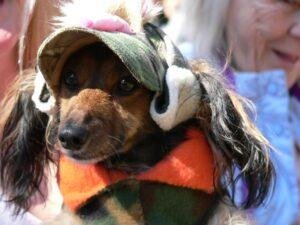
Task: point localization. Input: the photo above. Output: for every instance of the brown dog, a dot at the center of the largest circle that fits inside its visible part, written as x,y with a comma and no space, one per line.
102,116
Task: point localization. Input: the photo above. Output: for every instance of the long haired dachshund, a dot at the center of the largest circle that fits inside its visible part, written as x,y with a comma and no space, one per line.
101,114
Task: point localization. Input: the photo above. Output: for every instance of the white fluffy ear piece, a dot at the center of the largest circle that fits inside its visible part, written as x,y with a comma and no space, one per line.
41,97
180,100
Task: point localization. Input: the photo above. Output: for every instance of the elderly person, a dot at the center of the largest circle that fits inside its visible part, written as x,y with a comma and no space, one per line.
260,41
23,26
14,19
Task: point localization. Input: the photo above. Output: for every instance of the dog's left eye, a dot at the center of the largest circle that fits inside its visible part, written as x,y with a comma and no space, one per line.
126,85
70,80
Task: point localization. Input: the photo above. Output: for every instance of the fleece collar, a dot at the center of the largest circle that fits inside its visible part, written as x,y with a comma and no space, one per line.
189,165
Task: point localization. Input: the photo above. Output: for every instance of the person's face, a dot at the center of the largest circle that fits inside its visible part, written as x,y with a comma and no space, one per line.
265,34
10,24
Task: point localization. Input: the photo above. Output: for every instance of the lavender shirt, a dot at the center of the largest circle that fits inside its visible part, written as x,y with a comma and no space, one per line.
280,123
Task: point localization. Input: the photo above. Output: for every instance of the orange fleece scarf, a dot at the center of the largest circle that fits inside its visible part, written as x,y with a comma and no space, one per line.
190,165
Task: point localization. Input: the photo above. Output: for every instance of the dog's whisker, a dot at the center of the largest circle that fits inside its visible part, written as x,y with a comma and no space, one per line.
115,139
114,149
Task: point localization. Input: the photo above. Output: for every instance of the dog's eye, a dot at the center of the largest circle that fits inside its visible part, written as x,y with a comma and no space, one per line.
126,85
70,80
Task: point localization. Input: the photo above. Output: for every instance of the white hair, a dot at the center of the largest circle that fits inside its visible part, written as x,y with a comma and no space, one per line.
37,23
202,23
135,12
28,7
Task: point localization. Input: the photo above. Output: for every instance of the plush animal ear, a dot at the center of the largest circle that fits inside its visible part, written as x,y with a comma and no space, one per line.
41,96
179,99
23,154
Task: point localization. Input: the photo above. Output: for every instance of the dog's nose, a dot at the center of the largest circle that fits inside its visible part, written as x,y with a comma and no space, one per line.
73,137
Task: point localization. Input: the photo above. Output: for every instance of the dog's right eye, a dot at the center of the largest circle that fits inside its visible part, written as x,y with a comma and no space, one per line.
126,86
70,80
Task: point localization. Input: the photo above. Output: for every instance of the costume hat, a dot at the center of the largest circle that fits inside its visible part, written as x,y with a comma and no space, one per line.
148,54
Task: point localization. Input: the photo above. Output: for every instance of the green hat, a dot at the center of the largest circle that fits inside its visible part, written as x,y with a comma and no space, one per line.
134,50
151,57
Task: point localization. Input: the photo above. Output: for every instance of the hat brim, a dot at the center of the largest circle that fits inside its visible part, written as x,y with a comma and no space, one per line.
137,54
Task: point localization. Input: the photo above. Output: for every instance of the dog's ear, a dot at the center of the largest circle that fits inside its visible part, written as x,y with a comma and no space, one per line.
241,151
23,154
181,93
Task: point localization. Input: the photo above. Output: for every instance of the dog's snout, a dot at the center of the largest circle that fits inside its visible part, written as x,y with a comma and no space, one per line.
73,137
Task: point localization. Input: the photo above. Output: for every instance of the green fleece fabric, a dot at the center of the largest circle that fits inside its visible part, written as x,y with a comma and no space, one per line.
148,203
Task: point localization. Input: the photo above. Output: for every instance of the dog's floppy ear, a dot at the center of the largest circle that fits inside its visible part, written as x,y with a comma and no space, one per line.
240,150
23,154
180,97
